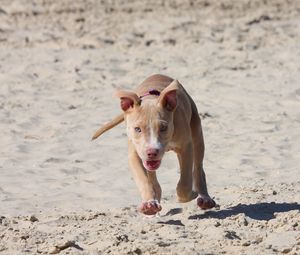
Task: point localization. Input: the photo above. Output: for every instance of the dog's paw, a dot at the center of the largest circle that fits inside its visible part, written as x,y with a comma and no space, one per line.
205,202
150,207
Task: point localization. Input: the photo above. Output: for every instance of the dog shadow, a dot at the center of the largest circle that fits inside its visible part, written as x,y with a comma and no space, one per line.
259,211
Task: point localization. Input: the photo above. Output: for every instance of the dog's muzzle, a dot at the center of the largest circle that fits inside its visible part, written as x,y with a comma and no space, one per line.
152,165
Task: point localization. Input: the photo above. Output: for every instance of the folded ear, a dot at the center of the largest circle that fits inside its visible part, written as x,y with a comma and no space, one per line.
128,99
168,97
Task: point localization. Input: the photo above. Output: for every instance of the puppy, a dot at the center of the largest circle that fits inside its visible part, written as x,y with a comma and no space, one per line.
161,116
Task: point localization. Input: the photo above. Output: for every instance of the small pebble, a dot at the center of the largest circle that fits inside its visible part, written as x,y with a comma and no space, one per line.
33,218
246,243
286,250
217,224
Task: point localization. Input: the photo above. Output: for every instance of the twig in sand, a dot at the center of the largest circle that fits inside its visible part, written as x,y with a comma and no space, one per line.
68,244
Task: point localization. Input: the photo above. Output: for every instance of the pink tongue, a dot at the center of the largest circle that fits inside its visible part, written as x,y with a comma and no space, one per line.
152,165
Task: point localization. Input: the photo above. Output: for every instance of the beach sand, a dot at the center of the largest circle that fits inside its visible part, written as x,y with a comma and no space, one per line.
60,64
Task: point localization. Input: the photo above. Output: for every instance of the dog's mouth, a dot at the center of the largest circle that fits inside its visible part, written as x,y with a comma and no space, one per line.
152,165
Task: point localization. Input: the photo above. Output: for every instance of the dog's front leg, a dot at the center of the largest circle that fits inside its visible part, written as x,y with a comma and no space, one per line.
204,201
146,182
184,189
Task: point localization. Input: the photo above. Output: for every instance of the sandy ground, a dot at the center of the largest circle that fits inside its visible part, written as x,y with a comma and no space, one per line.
60,63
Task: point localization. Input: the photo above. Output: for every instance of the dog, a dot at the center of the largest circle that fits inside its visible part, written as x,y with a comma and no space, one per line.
161,116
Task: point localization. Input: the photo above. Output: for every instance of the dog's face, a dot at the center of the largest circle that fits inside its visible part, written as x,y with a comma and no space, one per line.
150,124
150,127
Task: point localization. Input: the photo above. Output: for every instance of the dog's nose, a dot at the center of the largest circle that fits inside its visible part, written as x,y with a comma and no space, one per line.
152,152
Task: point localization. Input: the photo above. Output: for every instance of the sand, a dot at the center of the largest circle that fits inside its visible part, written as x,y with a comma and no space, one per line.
60,63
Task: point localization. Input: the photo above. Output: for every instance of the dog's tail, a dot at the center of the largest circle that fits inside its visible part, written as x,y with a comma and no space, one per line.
117,120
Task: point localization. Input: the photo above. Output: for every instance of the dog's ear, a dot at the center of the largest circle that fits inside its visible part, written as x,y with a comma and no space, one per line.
128,99
168,97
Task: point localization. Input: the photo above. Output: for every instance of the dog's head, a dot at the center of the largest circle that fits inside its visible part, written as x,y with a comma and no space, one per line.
150,123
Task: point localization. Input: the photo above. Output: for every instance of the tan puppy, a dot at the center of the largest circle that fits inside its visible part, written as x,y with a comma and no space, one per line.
161,116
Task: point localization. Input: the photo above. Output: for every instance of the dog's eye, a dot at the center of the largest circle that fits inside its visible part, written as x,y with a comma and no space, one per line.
137,129
163,128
